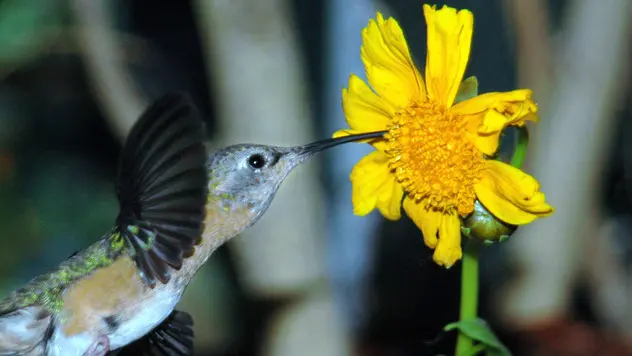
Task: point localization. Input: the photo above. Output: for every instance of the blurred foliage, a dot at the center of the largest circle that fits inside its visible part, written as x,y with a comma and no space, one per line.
54,197
27,28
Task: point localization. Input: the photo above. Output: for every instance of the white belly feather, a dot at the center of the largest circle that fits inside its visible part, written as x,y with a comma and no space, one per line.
142,318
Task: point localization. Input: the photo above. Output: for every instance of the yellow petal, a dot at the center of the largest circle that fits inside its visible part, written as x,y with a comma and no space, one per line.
488,114
427,221
449,40
448,249
364,110
390,203
493,122
373,186
487,144
493,100
510,194
388,64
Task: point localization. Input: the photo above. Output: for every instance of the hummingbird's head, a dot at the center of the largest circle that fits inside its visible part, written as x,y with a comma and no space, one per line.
244,178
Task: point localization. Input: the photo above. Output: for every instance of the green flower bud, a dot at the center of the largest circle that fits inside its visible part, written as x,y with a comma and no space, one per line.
484,226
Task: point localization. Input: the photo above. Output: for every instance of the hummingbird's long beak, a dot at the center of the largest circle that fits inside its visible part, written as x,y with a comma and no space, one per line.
318,146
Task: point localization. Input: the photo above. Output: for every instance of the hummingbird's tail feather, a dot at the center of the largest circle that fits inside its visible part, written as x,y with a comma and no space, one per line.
162,187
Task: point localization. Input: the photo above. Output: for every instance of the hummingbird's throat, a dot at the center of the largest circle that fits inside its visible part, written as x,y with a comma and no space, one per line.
225,219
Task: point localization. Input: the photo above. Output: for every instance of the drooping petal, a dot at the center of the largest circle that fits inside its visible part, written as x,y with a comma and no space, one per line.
427,221
488,114
373,186
448,249
388,64
515,101
449,41
441,232
511,195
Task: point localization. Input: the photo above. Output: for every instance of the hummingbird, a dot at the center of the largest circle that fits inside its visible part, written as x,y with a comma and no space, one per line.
178,204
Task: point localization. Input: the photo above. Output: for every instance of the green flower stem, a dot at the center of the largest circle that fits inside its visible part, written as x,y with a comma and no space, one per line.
521,147
469,292
471,252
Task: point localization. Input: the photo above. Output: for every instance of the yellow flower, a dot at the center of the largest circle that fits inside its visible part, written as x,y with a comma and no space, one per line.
434,155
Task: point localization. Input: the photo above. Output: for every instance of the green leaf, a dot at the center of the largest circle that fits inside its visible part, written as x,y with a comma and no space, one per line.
478,330
475,350
468,89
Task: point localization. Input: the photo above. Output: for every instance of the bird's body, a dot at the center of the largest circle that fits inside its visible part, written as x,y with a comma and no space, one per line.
116,292
178,205
93,294
113,300
122,287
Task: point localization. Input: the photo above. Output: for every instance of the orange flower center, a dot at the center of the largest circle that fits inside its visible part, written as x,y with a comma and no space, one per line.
432,159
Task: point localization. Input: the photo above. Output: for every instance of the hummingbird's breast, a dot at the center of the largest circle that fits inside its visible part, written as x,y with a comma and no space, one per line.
112,301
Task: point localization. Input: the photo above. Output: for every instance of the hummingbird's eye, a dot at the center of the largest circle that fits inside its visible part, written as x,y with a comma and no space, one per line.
256,161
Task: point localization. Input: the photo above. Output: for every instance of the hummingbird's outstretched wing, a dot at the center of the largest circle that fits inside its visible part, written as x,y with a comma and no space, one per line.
174,337
162,187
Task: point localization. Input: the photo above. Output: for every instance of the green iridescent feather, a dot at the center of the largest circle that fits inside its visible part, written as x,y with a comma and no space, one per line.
47,290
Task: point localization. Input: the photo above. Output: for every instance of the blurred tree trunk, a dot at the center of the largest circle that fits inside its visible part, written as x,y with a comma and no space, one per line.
576,129
351,239
530,22
258,74
106,69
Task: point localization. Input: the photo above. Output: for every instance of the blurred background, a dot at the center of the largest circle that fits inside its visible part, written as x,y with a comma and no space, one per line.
310,278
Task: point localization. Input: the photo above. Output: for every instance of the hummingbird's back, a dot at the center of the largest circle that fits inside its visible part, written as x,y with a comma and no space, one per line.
162,189
33,306
45,290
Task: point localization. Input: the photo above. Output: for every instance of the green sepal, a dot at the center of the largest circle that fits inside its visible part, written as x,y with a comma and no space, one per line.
478,330
520,152
467,90
482,225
